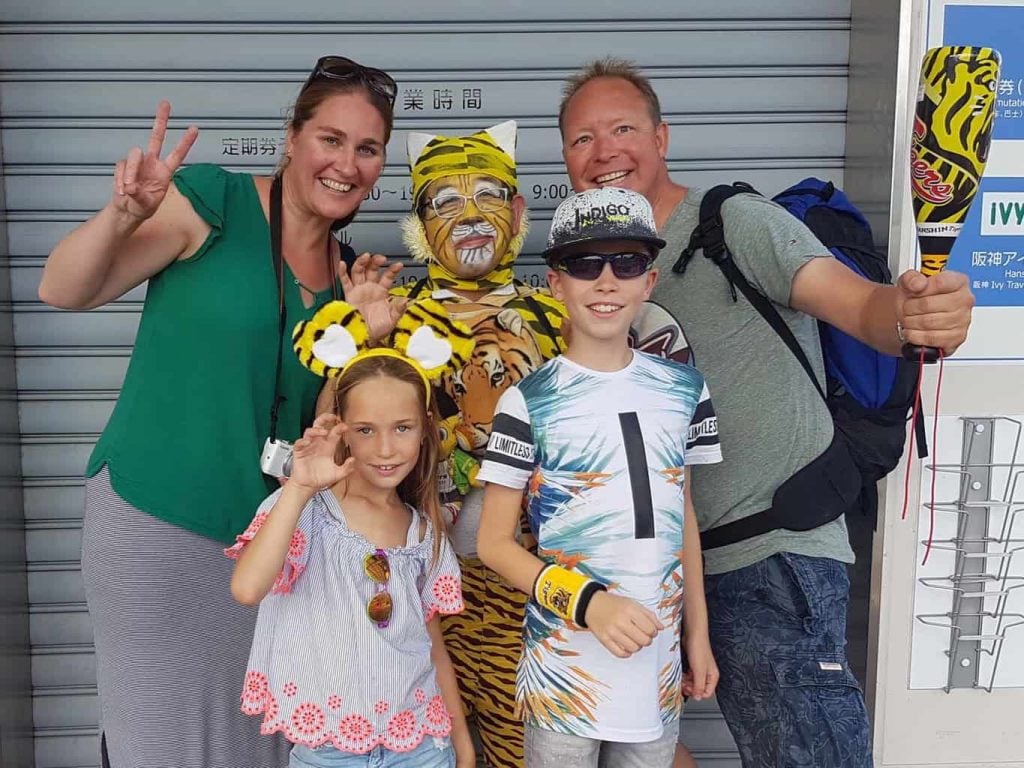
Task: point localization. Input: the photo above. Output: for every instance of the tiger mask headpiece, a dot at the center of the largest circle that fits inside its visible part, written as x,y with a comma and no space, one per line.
468,222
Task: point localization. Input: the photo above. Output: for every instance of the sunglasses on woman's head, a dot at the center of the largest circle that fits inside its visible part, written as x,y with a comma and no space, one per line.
340,68
588,266
378,570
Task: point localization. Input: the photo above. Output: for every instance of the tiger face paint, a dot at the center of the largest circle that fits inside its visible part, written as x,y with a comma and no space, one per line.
476,241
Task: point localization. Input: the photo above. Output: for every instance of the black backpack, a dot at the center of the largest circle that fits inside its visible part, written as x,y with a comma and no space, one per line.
869,394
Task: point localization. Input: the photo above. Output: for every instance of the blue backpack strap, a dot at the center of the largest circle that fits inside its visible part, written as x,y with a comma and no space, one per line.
767,310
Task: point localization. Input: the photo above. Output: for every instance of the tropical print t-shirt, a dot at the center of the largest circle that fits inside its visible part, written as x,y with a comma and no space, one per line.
602,457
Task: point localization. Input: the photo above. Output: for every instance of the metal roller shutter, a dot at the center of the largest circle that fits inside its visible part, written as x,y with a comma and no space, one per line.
751,91
15,679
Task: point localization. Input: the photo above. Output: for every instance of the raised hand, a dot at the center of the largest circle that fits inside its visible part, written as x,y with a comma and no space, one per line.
623,626
934,311
141,180
367,289
313,464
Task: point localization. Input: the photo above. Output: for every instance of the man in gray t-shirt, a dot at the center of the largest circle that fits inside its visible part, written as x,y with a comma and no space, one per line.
776,602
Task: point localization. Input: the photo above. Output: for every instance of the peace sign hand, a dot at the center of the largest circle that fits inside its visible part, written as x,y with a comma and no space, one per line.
141,180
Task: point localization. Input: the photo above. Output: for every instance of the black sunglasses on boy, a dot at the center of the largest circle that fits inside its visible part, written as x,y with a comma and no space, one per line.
588,266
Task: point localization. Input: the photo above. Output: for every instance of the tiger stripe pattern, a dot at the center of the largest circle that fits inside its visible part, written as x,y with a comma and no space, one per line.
308,332
952,134
506,351
432,314
484,642
553,309
445,156
554,313
425,313
511,340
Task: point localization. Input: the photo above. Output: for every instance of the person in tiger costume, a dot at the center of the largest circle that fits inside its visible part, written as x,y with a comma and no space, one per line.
468,225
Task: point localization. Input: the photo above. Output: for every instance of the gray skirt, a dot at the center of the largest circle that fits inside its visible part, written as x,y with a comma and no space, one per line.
171,643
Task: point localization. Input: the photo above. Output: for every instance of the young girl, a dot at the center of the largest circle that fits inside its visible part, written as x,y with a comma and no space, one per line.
351,564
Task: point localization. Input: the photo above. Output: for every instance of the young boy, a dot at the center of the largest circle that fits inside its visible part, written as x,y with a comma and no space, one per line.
597,440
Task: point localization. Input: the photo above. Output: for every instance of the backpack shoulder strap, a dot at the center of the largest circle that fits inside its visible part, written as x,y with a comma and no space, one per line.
710,236
764,307
709,233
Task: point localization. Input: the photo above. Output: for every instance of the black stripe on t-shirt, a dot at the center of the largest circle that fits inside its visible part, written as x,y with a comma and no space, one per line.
702,442
703,432
515,428
511,443
639,481
703,411
703,428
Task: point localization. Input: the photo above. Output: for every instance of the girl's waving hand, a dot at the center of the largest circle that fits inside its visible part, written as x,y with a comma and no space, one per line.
313,458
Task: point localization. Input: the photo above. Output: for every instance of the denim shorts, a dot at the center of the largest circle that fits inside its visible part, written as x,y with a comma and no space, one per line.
778,632
432,752
549,749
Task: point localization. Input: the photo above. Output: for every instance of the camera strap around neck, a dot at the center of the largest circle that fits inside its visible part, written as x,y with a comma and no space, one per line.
275,250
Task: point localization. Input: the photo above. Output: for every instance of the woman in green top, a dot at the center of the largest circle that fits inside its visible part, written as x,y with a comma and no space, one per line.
170,482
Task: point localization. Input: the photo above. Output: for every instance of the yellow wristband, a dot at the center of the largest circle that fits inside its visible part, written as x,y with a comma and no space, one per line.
564,592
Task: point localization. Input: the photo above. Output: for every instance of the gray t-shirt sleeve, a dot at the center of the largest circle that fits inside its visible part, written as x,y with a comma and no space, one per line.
768,244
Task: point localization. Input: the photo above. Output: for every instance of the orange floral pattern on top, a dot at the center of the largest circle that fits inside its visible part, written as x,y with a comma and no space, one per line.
293,564
297,683
349,732
447,594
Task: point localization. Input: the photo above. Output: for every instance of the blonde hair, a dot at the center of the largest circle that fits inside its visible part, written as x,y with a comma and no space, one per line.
610,67
419,487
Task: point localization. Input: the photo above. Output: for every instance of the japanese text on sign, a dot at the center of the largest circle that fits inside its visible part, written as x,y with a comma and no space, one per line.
442,99
249,146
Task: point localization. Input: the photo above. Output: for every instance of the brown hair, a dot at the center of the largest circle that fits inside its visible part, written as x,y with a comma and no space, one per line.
322,88
623,69
419,487
316,93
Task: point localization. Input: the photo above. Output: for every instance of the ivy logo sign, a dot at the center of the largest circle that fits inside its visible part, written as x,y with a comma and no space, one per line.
1002,213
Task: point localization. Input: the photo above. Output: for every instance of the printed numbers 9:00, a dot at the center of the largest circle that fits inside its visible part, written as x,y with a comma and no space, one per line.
550,191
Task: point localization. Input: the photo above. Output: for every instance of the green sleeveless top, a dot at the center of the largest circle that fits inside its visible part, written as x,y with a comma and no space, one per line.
184,441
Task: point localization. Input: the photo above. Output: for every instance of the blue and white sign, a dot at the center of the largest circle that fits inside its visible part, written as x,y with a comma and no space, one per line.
1000,27
990,248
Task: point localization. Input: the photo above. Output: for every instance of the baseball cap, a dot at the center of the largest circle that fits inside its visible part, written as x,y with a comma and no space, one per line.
606,213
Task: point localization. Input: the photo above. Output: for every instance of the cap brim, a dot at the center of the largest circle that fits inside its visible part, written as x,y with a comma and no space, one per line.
656,242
